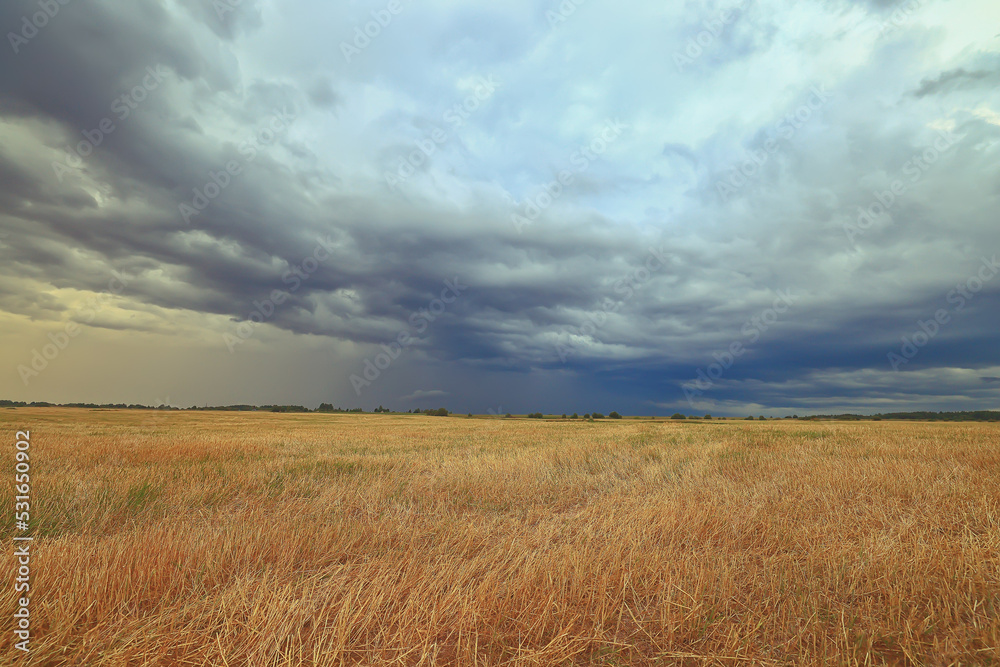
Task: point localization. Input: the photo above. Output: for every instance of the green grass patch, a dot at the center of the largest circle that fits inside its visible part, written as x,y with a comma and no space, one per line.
141,495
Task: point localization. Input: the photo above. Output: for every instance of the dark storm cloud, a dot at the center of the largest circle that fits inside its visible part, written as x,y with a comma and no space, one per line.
81,61
959,79
318,182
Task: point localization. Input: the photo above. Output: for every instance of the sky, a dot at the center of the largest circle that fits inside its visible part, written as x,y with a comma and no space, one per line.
737,207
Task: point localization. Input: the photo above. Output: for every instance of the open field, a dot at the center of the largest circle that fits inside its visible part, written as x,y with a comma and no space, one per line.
198,538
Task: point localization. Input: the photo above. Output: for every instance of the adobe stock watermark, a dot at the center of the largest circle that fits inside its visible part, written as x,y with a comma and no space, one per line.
581,159
456,115
786,128
419,322
714,27
122,107
33,24
294,277
364,34
22,543
900,17
562,12
958,298
626,286
752,330
249,148
914,169
60,340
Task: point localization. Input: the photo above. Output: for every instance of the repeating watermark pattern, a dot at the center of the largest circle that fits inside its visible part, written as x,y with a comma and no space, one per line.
786,128
456,115
33,24
714,27
59,341
927,330
419,322
751,330
626,286
22,551
581,159
265,309
122,107
914,169
249,148
364,34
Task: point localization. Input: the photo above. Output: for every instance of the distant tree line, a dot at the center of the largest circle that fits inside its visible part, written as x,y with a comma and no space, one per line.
965,416
118,406
328,407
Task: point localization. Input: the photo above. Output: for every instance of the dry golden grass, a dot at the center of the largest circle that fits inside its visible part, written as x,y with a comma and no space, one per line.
274,539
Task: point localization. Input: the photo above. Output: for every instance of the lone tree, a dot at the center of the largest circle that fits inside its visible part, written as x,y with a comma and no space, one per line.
678,415
614,415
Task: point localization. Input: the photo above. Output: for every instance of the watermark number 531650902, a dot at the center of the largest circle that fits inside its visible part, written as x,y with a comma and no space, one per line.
22,541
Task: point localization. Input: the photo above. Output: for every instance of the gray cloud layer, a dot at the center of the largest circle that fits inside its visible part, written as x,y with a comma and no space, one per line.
745,164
